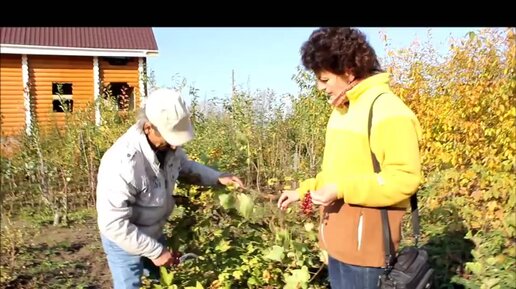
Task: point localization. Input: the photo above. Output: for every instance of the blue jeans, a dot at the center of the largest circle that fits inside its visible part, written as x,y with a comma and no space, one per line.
127,269
344,276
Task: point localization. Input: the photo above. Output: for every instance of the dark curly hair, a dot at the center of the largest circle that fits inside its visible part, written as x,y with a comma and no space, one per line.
336,49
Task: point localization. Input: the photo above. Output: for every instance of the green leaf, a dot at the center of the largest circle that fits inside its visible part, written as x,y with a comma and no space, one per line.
491,261
245,205
166,277
309,226
198,285
299,278
252,281
474,267
276,253
237,274
471,35
492,283
223,246
227,201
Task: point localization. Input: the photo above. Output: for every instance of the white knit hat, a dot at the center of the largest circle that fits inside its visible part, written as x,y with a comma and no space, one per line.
166,110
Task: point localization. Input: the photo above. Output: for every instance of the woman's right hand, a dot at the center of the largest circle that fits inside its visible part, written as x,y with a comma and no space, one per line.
287,197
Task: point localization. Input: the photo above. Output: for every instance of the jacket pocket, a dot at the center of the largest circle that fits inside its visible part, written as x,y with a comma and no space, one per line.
360,230
340,231
153,193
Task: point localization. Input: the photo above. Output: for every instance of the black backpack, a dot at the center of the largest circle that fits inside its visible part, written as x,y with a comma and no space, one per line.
409,269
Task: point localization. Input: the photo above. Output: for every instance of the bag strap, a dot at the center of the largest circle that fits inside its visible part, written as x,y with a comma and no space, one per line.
388,246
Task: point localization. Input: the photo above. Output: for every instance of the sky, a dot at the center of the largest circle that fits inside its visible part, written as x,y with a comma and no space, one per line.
261,58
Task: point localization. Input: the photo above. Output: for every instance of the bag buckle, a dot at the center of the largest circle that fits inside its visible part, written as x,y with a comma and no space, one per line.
389,264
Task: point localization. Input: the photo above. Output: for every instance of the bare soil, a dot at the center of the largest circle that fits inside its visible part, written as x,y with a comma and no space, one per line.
58,257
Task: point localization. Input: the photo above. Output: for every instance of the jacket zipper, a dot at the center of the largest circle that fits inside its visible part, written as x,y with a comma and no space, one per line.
360,230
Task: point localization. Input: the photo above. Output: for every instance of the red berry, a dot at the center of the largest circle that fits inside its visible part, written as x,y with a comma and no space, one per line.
175,258
306,204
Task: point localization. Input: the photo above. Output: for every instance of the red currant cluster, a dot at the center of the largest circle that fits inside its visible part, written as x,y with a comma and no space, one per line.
306,204
175,258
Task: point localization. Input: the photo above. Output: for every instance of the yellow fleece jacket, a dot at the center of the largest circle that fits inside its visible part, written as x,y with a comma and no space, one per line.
395,134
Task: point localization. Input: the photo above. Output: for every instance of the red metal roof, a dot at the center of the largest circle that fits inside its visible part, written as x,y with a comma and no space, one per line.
138,38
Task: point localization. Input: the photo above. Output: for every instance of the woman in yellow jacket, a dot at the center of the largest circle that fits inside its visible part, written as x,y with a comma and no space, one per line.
347,188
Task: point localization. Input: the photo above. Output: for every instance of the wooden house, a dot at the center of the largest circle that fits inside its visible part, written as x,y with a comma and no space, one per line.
53,69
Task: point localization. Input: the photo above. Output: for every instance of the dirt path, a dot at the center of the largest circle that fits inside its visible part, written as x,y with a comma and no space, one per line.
58,257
